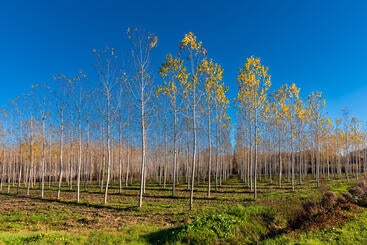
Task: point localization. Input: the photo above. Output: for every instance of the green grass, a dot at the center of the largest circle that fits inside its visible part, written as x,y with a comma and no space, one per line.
236,224
40,238
229,216
93,237
341,187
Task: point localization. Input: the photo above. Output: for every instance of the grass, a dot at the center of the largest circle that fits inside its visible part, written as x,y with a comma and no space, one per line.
230,215
235,224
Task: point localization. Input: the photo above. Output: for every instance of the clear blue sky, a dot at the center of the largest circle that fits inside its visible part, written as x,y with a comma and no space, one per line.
320,45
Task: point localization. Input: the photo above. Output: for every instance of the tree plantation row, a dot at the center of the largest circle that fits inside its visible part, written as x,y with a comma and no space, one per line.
280,133
131,127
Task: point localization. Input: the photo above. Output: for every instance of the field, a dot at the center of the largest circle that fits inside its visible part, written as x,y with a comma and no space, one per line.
230,216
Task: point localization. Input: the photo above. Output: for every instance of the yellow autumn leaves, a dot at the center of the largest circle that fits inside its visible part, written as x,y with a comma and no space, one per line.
214,88
207,75
189,41
284,107
174,74
254,82
287,98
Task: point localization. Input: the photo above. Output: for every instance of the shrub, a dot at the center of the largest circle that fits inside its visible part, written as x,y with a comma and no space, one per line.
363,186
310,208
341,200
317,214
348,197
329,200
356,191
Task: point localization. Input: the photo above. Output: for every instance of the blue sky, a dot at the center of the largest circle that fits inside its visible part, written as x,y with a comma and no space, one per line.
319,45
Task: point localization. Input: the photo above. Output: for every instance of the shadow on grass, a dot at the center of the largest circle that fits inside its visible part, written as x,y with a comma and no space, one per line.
166,236
74,203
107,206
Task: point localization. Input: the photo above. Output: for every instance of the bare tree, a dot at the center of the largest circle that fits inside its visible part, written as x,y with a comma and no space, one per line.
141,88
108,74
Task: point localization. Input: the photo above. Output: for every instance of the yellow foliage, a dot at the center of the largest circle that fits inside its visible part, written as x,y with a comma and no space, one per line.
254,82
154,41
189,41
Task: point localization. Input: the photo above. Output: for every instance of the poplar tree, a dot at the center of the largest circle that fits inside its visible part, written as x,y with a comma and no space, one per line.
214,95
194,52
254,82
141,88
108,75
316,105
174,75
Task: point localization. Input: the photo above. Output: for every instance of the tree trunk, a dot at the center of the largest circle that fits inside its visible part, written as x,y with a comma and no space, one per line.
174,151
79,155
143,141
210,152
61,154
43,158
108,145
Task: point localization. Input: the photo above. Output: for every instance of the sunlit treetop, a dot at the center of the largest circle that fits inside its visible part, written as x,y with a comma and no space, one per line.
189,41
315,106
214,89
173,69
254,82
174,74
